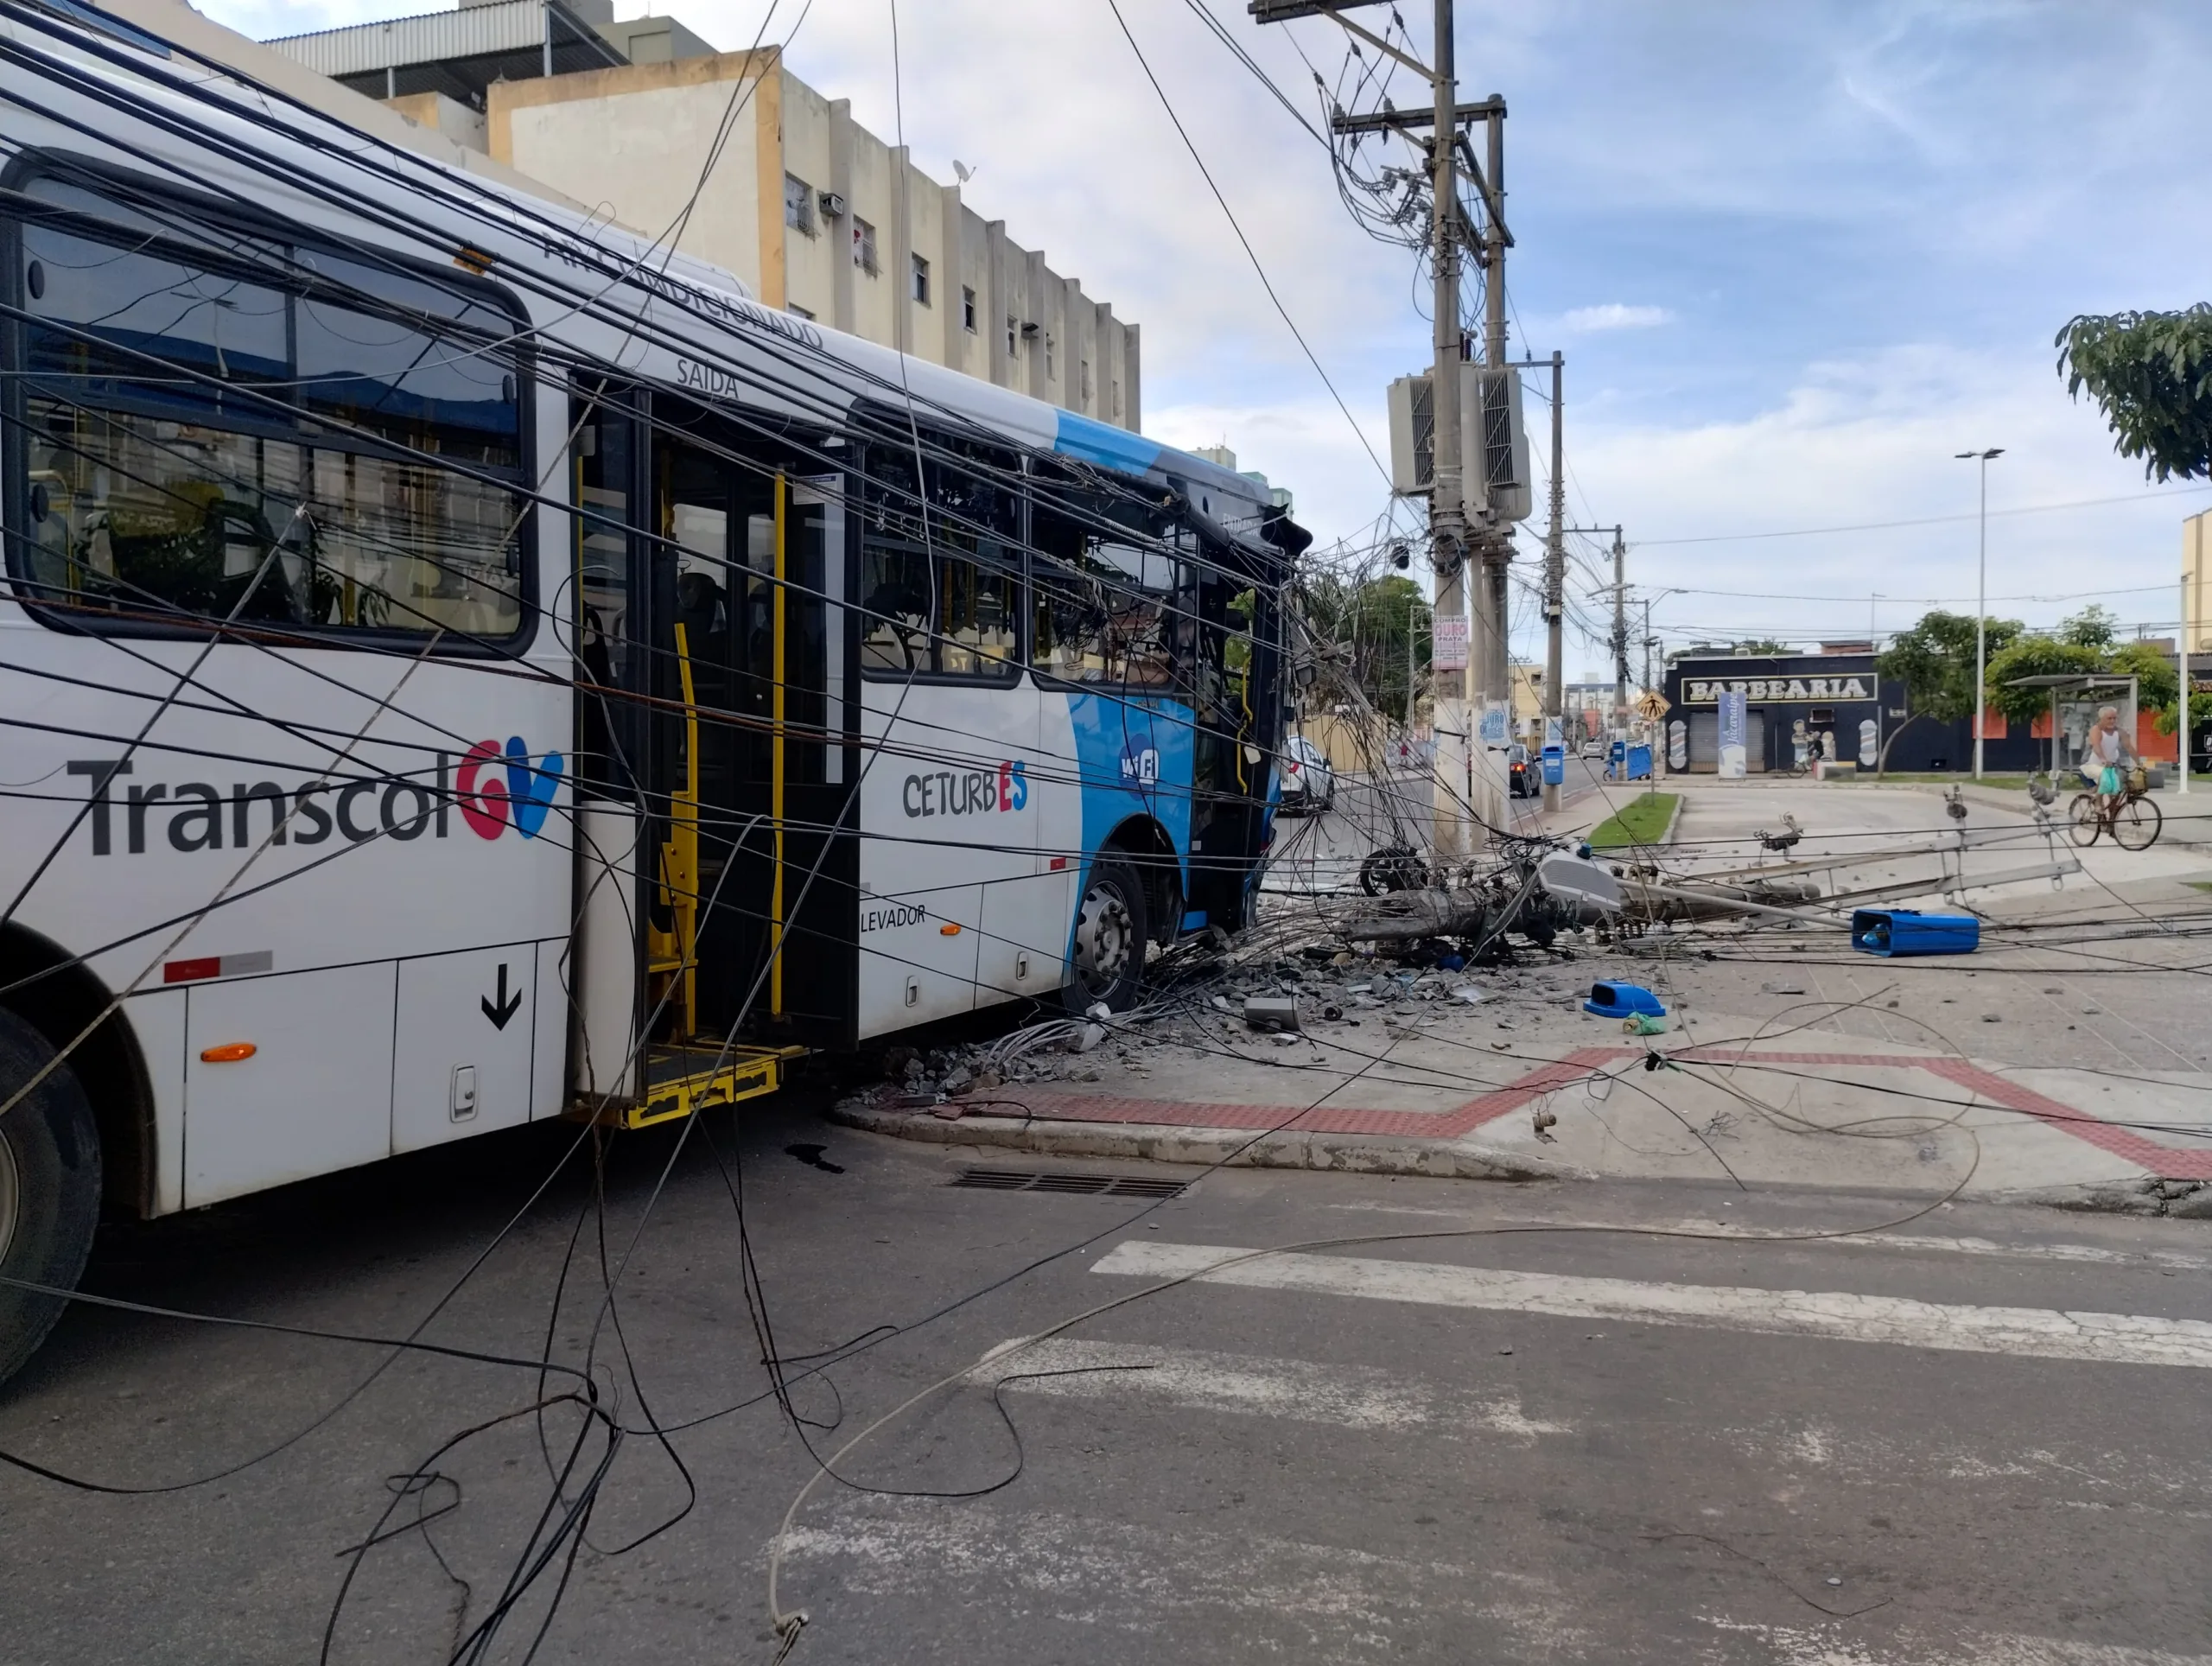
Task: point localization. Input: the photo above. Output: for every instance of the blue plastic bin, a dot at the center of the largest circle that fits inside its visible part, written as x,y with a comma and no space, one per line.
1623,1001
1891,931
1554,765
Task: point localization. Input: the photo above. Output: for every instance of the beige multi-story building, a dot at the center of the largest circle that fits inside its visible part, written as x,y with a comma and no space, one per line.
2195,575
743,165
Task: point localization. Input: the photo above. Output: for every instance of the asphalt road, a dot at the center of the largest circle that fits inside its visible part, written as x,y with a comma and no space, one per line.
1599,1447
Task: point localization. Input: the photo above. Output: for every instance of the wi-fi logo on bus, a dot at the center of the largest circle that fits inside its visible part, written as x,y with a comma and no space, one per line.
522,792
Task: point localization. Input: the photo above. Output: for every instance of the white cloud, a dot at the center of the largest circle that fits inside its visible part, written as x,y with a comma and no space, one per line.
1613,316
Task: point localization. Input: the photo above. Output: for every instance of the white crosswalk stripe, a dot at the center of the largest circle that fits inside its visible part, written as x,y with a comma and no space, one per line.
1907,1242
2039,1333
1341,1396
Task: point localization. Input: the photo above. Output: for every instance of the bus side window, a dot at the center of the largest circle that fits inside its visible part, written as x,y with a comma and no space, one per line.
895,608
281,459
940,591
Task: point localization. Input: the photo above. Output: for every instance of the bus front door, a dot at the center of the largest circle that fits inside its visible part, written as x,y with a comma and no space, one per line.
753,913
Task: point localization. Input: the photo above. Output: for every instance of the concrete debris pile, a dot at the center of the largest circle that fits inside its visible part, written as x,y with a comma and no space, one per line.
1229,1011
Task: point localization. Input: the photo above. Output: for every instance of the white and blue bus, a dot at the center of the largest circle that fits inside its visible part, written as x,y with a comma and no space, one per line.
464,665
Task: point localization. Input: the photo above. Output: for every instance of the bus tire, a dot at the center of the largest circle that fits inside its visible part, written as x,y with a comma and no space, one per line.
1111,930
50,1189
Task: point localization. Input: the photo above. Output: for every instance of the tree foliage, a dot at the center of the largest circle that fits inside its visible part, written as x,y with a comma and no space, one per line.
2157,683
2039,655
2095,626
1935,661
2151,374
1367,621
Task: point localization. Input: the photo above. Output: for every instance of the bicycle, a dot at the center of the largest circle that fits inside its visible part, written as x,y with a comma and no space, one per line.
2132,818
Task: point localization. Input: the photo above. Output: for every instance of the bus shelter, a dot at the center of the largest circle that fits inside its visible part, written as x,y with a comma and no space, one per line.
2075,700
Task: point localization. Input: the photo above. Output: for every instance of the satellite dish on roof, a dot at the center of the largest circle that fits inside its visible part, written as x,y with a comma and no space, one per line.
963,171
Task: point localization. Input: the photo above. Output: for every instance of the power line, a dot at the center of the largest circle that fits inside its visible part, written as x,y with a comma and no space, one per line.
1265,282
1924,520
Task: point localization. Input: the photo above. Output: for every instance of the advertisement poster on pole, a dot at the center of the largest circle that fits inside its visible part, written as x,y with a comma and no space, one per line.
1734,725
1448,640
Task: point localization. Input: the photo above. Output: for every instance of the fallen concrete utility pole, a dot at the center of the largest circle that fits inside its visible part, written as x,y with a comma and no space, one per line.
1677,905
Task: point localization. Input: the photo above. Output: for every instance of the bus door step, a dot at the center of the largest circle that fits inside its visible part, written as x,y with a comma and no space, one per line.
680,1080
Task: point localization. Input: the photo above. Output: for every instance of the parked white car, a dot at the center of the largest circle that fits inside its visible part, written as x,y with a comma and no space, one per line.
1308,783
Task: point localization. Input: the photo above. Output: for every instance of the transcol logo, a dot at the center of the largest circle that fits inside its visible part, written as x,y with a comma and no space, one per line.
525,793
492,787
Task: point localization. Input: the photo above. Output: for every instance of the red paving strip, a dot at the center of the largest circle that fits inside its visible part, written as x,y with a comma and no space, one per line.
2163,1161
2123,1142
2126,1143
1327,1119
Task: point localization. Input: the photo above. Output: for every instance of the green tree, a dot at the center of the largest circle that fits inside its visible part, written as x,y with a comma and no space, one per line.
1365,625
1387,619
2151,374
1762,645
1935,661
2039,655
2157,682
2095,626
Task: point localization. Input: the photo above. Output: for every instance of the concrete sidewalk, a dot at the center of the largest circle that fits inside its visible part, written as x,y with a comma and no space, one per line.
1434,1086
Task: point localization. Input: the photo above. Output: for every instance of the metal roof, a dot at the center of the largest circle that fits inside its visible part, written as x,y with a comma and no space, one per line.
475,44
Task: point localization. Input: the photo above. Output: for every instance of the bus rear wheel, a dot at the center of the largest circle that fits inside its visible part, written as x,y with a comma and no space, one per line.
49,1188
1110,932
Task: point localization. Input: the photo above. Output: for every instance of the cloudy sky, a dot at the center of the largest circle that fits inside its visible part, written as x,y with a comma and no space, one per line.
1797,256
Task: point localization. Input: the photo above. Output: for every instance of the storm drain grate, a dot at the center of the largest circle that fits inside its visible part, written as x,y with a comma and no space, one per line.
1095,1185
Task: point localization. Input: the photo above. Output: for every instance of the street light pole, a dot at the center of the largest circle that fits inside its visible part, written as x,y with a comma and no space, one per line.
1981,603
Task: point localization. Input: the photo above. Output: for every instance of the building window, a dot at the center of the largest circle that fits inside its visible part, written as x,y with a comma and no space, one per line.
864,246
1086,381
1013,338
968,310
798,204
921,278
1117,402
1048,356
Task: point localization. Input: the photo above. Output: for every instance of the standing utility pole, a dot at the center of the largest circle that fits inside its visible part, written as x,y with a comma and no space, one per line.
1555,587
1647,640
2181,659
1620,637
1447,505
1981,602
1497,548
1472,605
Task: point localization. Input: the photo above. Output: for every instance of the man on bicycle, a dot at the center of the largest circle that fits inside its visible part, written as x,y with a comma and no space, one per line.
2102,754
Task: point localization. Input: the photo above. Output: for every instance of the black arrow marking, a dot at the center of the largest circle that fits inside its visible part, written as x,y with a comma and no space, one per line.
508,1006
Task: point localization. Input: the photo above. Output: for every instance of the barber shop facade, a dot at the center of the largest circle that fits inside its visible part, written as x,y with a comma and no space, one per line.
1835,701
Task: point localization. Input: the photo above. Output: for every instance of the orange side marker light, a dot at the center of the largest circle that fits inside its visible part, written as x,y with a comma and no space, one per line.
230,1052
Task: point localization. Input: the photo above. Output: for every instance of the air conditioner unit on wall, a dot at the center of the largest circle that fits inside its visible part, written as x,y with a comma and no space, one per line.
832,204
1493,443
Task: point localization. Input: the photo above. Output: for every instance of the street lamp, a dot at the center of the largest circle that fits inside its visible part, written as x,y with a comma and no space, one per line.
1982,601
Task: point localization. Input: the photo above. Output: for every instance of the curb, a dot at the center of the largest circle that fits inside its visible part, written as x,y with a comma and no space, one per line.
2181,1200
1344,1154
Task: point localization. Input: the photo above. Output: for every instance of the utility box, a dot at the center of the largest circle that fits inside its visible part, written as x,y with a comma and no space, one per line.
1894,931
1493,443
1554,765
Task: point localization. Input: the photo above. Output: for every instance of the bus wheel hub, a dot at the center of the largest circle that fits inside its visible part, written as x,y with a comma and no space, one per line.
1102,938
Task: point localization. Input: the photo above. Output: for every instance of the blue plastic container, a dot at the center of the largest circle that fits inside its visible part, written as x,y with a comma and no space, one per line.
1893,931
1554,765
1623,1001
